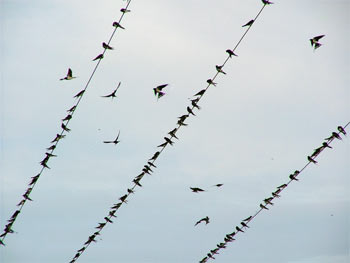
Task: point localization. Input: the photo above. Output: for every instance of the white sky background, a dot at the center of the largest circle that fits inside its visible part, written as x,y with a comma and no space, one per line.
277,103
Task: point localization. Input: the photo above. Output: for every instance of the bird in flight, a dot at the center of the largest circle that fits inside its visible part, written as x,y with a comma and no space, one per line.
115,141
112,95
218,185
158,90
249,23
196,189
205,219
69,75
106,46
314,41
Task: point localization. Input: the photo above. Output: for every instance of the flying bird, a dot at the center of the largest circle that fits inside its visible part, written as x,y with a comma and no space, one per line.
115,141
231,53
112,95
116,25
205,219
69,75
314,41
158,90
196,189
106,46
249,23
218,185
98,57
219,69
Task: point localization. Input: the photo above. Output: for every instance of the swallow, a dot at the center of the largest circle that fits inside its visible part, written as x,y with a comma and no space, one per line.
317,151
151,164
26,196
69,75
239,230
314,41
52,147
183,117
266,2
218,185
58,137
244,225
204,260
108,220
210,256
106,46
49,155
231,53
124,10
200,93
72,109
158,90
194,104
282,186
325,145
82,249
341,130
189,110
219,69
65,128
123,198
205,219
214,251
311,160
116,141
155,156
248,218
67,118
229,239
116,206
112,95
162,145
334,135
196,189
79,94
249,23
268,200
275,195
137,182
100,225
34,179
98,57
181,123
172,133
263,207
116,25
211,82
293,177
112,213
146,167
221,245
15,214
21,203
168,141
130,191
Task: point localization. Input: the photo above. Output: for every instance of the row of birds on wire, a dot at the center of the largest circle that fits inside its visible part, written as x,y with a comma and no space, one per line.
149,166
64,129
230,237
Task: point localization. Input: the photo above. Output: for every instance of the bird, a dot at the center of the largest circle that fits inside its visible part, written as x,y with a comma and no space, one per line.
151,164
124,10
249,23
292,177
189,110
325,145
268,200
116,25
108,220
100,225
112,213
34,179
231,53
263,207
172,133
123,198
168,141
72,109
275,195
334,135
200,93
112,95
282,186
341,130
137,182
98,57
69,75
218,185
211,82
266,2
158,90
248,218
205,219
155,156
130,191
52,147
67,118
244,225
115,141
219,69
65,128
239,230
314,41
50,155
196,189
58,137
79,94
162,145
106,46
309,158
194,104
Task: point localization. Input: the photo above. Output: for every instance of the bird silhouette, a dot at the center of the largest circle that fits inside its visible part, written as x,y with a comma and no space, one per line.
158,90
112,213
79,94
67,118
194,104
341,130
314,41
249,23
151,164
325,145
116,25
162,145
72,109
116,141
106,46
34,179
65,128
196,189
218,185
334,135
108,220
124,10
231,53
137,182
189,110
292,177
123,198
155,156
58,137
211,82
112,95
239,230
268,200
172,133
266,2
311,160
69,75
205,219
52,147
100,56
200,93
248,218
263,207
282,186
244,225
168,140
219,69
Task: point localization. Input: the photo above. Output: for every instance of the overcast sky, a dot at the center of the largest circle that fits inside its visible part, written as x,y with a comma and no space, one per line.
277,103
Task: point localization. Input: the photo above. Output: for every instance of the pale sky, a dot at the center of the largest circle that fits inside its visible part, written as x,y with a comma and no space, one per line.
276,104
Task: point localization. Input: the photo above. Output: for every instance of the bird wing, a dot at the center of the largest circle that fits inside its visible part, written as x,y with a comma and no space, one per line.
317,38
70,73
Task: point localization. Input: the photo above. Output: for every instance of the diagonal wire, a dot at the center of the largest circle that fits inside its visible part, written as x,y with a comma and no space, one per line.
268,201
150,162
34,180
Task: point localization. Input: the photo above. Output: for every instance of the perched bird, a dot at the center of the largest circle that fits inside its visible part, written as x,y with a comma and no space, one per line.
334,135
79,94
168,141
205,219
325,145
266,2
123,198
268,200
200,93
196,189
309,158
194,104
52,147
106,46
72,109
218,185
112,95
317,151
98,57
115,141
172,133
116,206
58,137
34,179
239,230
124,10
314,41
137,182
231,53
151,164
211,82
275,195
108,220
49,155
67,118
116,25
219,69
341,130
158,90
282,186
155,156
263,207
248,218
244,225
130,191
100,225
189,110
293,177
162,145
69,75
65,128
249,23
